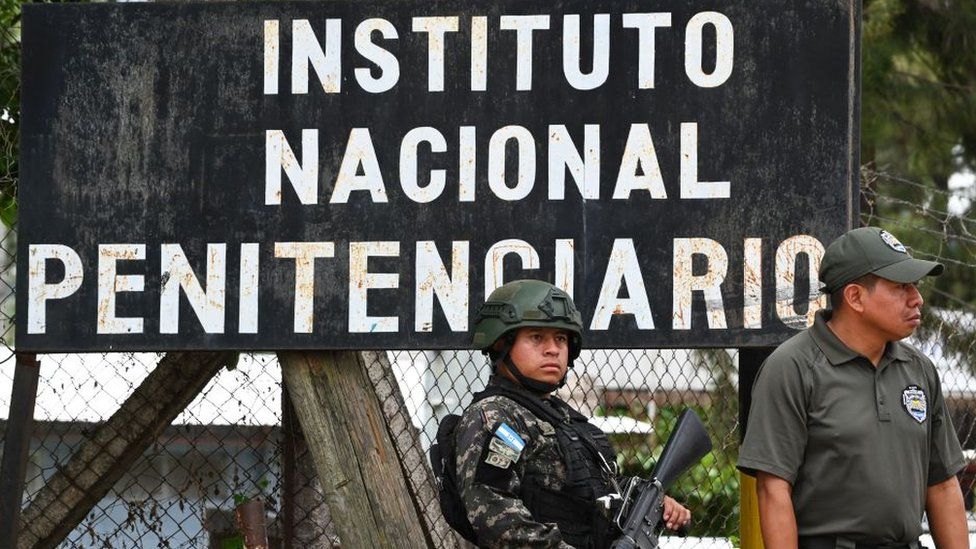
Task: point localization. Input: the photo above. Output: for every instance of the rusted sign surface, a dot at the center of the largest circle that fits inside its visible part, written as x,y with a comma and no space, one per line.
359,174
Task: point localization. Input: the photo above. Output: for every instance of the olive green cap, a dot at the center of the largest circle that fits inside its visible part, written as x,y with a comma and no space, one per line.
871,250
523,304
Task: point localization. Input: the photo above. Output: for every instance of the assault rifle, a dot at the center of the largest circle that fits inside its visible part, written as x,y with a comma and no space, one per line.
643,500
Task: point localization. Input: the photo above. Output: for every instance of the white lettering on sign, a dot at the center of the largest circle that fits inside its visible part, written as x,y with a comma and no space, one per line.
573,58
564,155
452,290
327,63
639,156
691,187
271,54
436,277
303,176
724,49
176,274
361,281
786,255
525,178
360,170
467,163
386,62
646,24
565,265
306,49
623,269
752,284
436,28
524,26
495,261
38,289
359,155
247,318
110,283
304,254
408,165
708,283
479,53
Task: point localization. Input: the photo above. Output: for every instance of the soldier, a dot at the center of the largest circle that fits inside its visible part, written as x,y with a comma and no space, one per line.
848,435
531,470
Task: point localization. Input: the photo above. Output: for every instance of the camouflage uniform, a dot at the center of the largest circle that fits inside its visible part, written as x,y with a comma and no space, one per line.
494,496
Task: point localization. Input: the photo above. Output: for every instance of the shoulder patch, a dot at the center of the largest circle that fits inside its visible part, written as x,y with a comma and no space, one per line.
510,437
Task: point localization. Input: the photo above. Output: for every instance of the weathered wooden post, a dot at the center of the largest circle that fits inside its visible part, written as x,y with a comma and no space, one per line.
16,446
355,457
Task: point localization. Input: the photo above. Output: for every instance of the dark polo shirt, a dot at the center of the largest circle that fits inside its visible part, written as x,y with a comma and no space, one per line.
859,444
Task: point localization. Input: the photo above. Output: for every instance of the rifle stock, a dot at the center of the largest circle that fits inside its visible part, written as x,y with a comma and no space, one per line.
686,446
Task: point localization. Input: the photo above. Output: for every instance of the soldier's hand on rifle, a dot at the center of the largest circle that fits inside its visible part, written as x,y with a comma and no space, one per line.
675,515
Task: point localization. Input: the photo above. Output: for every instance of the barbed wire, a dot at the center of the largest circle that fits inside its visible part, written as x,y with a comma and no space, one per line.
936,215
916,228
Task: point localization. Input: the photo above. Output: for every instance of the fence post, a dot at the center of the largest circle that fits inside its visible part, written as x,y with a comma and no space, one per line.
306,523
353,451
16,445
750,535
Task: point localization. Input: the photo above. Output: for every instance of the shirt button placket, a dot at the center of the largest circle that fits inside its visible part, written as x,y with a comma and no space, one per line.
882,408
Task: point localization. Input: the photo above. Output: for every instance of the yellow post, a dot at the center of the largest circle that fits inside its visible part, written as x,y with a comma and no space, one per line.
749,534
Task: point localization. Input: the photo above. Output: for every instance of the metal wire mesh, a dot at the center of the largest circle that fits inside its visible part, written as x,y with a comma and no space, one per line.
231,440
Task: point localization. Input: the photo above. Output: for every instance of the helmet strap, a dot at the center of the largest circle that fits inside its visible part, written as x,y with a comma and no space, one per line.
535,386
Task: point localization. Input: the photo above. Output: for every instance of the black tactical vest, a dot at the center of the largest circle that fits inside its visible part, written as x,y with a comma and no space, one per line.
587,454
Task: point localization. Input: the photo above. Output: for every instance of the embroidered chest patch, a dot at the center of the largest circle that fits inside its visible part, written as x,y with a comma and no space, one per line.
913,399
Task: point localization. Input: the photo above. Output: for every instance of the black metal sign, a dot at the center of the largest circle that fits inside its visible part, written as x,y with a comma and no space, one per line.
359,174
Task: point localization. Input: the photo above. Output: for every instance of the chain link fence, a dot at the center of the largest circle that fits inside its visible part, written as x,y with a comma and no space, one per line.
233,440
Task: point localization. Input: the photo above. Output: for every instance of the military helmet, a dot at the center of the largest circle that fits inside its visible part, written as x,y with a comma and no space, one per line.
524,304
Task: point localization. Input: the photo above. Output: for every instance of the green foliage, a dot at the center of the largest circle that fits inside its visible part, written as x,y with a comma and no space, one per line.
918,128
919,87
9,108
710,489
235,541
259,489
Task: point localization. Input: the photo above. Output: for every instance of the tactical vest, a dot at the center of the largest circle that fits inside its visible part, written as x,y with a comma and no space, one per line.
587,455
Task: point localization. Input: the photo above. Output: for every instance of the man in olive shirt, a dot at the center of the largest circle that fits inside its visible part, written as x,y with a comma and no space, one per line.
848,434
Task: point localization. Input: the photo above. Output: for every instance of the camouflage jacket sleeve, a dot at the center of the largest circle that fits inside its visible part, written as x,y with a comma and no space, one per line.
491,494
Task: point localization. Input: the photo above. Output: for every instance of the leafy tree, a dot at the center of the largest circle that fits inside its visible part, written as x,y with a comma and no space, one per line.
919,87
9,107
918,128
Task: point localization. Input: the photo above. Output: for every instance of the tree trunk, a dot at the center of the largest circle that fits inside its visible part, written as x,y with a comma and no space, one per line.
115,445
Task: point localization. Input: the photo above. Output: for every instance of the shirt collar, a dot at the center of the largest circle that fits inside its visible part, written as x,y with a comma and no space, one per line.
898,351
838,353
831,346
